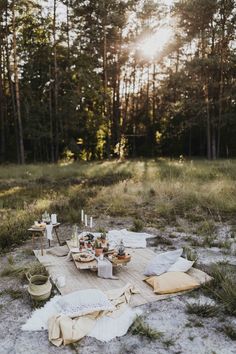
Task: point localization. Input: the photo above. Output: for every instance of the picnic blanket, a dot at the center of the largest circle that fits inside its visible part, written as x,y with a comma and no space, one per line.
132,274
65,330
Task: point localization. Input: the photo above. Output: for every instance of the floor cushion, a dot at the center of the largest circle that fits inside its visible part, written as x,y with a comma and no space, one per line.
172,282
162,262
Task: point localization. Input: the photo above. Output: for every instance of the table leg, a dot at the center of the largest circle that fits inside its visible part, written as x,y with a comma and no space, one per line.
57,236
32,241
41,243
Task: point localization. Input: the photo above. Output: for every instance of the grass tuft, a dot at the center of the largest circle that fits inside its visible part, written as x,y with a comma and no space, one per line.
14,294
139,327
230,331
202,310
223,286
190,254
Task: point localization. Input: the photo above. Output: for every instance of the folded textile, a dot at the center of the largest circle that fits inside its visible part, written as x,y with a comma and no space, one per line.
65,330
105,269
49,232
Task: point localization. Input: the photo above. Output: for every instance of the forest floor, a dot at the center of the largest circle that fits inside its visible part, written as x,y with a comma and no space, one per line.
188,205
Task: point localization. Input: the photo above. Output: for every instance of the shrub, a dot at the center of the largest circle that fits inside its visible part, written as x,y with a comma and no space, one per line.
223,287
137,225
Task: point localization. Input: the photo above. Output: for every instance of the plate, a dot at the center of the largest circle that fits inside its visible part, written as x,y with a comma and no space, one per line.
75,250
84,257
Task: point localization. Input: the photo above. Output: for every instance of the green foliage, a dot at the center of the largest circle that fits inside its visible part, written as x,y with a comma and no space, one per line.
76,102
190,254
138,225
139,327
202,310
230,331
223,287
14,294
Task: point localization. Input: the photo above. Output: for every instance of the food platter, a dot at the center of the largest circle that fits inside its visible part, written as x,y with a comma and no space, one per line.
84,257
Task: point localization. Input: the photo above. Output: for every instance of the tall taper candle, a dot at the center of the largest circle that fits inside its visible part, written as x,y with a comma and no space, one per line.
85,220
82,215
91,222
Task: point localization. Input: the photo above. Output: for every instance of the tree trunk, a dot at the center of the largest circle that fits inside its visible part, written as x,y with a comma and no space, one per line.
17,89
221,86
2,110
51,119
208,131
56,118
105,105
12,91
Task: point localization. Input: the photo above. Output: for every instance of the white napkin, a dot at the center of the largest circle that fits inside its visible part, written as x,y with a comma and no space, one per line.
105,269
49,231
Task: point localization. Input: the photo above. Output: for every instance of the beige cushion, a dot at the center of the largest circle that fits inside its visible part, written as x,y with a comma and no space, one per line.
172,282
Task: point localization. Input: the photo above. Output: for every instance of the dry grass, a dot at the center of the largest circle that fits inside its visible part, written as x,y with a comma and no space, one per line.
166,189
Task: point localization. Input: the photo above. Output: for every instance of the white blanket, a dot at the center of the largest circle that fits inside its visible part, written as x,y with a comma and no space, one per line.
106,328
130,239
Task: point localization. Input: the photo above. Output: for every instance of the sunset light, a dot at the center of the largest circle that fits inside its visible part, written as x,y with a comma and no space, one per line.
154,44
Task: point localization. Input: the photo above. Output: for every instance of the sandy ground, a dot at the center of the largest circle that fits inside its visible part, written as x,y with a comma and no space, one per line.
182,333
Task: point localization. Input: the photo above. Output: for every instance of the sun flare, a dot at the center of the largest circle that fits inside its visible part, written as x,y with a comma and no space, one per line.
152,45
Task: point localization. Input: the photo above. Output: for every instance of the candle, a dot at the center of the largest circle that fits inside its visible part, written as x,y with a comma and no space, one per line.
85,220
91,222
82,215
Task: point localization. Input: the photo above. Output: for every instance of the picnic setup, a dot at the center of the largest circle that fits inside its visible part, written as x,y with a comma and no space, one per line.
102,279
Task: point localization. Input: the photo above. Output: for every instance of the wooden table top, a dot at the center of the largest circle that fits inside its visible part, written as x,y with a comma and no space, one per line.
92,264
41,229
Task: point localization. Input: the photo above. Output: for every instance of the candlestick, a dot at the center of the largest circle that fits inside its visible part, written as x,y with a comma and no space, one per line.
82,215
86,220
91,222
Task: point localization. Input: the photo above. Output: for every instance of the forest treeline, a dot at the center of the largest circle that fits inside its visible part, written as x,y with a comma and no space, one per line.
75,81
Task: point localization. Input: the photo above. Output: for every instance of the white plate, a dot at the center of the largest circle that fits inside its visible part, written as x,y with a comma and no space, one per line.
75,250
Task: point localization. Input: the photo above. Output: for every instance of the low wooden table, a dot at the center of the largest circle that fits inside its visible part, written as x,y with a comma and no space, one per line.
92,265
40,232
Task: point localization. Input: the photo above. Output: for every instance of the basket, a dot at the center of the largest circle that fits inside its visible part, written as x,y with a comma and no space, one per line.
124,260
39,287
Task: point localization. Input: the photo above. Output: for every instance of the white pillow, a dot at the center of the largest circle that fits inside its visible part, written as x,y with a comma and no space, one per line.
162,262
83,302
181,265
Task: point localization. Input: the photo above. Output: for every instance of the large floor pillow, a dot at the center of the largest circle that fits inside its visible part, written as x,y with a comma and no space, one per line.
172,282
162,262
82,302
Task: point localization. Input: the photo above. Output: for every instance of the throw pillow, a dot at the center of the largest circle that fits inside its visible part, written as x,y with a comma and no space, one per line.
83,302
181,265
162,262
